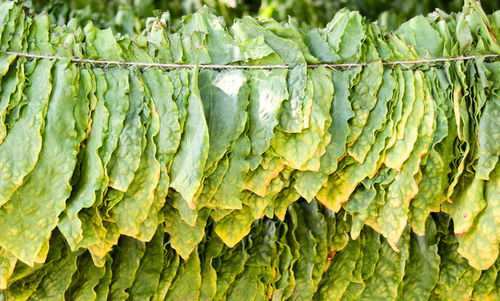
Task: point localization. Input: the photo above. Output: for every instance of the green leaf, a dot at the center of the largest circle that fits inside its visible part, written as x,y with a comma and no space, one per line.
127,156
101,44
183,237
316,222
158,39
376,119
189,162
180,81
389,271
422,269
58,278
161,90
9,76
85,279
419,32
148,274
17,161
170,264
225,100
30,223
356,286
211,183
217,34
296,149
431,189
286,197
303,268
116,101
456,277
489,146
25,280
407,133
284,282
235,226
345,33
229,193
211,250
267,92
127,257
480,245
10,21
232,263
364,98
485,285
468,201
92,171
404,106
187,282
7,265
253,282
370,252
102,288
5,9
292,117
339,273
393,215
133,208
341,185
148,227
259,180
308,183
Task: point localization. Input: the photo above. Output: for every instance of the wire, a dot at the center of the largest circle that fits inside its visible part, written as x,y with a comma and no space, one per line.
250,67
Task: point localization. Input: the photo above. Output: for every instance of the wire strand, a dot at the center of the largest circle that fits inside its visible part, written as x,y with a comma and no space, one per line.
210,66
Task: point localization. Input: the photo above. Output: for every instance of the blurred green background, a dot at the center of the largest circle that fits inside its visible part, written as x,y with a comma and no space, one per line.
128,16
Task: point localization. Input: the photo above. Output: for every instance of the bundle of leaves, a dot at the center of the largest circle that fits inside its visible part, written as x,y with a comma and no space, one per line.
307,256
104,164
128,16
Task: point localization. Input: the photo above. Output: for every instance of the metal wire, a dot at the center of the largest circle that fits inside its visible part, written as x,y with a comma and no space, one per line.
249,67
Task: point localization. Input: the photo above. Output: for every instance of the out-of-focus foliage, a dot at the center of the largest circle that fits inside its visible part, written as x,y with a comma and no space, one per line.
128,16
